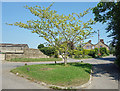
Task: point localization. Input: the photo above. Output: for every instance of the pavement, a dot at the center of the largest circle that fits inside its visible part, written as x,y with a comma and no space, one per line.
105,74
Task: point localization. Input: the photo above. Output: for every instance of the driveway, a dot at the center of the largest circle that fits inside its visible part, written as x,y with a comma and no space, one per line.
105,74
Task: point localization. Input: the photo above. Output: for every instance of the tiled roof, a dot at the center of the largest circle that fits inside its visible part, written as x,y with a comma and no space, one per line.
101,40
12,45
102,43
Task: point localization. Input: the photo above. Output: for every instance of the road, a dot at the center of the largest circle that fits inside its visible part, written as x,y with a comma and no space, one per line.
105,75
11,81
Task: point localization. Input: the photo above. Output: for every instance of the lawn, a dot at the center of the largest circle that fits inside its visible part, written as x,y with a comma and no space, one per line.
73,74
34,59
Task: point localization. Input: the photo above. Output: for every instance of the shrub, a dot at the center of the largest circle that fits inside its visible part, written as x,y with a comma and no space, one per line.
96,51
40,46
49,51
77,53
85,52
104,51
92,53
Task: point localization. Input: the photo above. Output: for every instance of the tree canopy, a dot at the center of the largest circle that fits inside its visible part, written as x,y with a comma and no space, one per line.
58,30
40,46
109,12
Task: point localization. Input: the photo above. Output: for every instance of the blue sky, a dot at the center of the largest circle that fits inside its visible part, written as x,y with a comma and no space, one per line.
15,12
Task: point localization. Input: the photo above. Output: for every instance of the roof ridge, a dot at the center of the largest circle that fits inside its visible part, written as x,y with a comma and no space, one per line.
10,44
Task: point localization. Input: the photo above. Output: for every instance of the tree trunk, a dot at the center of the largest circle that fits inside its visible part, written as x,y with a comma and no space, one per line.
65,61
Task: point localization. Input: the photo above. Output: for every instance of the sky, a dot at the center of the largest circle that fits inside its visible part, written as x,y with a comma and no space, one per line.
15,12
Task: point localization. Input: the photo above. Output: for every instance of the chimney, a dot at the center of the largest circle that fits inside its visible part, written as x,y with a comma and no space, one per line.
101,40
89,41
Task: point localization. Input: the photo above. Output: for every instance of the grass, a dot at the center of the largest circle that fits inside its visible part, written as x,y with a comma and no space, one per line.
34,59
73,74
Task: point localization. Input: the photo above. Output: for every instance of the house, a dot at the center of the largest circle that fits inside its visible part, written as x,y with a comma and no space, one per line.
88,45
100,44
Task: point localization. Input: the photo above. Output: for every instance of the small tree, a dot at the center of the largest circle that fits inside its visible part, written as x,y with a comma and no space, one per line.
49,51
58,30
40,46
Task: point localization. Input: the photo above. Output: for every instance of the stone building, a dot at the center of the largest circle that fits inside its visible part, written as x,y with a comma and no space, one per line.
7,48
100,44
9,51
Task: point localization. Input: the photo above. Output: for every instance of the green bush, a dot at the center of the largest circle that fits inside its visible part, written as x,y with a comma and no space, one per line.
40,46
83,54
77,53
92,53
96,50
104,51
49,51
86,52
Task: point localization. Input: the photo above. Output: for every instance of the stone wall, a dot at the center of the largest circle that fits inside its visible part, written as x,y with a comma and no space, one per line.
12,48
34,53
2,56
27,53
10,56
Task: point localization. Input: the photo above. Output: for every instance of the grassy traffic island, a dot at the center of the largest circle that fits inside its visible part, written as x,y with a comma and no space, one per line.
73,74
34,59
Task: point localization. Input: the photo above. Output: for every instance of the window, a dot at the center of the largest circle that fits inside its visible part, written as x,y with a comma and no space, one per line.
90,47
87,47
100,46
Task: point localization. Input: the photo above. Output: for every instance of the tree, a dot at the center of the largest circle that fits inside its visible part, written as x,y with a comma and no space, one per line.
109,12
58,30
111,49
40,46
